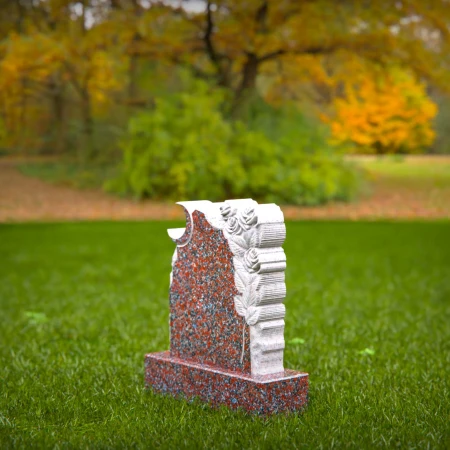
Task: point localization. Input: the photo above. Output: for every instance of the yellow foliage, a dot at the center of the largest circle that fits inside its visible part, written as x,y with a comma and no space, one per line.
33,57
34,65
387,113
288,75
27,63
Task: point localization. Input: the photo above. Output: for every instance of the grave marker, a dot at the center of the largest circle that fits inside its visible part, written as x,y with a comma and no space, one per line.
227,289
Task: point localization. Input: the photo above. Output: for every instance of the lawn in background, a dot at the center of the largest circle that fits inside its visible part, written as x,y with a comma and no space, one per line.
423,177
368,316
408,171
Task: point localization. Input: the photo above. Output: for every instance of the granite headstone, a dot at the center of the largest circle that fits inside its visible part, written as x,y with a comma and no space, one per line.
227,289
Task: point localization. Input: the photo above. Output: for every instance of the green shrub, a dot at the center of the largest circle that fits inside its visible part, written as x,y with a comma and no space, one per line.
185,149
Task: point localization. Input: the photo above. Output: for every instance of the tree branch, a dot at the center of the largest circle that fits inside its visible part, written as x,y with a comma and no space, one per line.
191,66
306,51
261,16
215,57
208,37
271,55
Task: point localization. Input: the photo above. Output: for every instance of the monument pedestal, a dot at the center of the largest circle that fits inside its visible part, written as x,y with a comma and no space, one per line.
266,394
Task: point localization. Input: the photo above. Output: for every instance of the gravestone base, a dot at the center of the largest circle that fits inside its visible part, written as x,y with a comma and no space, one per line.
268,394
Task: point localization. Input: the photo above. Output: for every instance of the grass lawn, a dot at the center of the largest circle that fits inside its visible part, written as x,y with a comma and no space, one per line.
82,302
408,170
423,179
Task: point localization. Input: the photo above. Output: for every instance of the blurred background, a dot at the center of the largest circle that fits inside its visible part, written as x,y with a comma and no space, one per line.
334,109
112,110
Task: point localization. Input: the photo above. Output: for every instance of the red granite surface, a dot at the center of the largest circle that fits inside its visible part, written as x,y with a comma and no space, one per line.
204,325
262,395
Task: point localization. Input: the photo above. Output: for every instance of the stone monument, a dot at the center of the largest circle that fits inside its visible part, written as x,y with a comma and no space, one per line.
227,289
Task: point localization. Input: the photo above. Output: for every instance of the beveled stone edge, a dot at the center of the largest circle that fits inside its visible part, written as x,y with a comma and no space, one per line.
289,374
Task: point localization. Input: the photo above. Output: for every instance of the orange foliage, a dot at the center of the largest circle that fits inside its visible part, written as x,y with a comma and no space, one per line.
388,113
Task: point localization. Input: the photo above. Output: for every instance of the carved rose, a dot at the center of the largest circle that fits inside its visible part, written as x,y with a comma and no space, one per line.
233,226
225,210
247,218
251,260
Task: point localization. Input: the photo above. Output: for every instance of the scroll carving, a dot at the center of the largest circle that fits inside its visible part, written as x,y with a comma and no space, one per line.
255,234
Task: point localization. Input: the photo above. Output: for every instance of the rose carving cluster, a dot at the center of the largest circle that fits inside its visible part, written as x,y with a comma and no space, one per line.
241,232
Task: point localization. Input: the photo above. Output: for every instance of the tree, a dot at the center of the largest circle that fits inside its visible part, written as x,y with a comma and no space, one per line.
58,58
384,113
235,41
277,49
27,64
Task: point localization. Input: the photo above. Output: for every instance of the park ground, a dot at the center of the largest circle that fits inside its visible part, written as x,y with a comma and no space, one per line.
84,295
367,317
413,187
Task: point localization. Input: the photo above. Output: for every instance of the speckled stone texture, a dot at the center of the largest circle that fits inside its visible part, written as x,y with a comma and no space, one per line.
267,394
204,325
221,353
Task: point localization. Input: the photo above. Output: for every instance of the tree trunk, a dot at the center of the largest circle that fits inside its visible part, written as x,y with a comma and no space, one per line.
22,140
87,149
132,88
132,72
60,122
133,68
247,87
58,114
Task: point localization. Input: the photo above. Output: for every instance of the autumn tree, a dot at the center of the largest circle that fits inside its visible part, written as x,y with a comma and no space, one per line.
384,113
67,59
58,58
234,42
28,63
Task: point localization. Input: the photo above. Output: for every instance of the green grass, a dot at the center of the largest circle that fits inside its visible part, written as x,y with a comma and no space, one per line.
368,317
409,170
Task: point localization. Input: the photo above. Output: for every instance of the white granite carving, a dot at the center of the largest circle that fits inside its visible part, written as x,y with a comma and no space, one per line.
255,234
